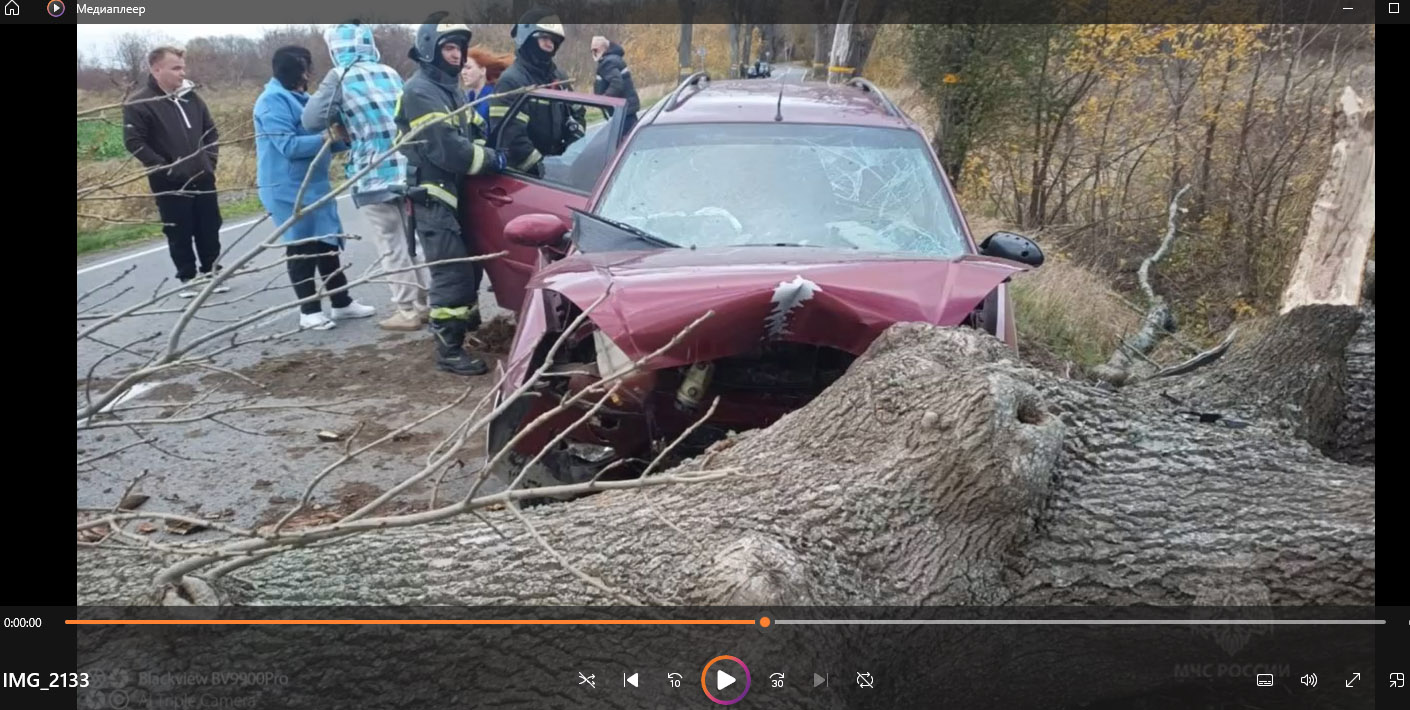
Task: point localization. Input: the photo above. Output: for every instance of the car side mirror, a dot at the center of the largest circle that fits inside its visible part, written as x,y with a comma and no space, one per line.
536,230
1014,247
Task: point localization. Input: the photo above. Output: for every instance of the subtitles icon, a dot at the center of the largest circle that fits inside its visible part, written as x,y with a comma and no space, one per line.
1265,680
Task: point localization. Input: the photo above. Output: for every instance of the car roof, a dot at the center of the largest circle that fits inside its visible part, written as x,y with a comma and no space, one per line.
757,101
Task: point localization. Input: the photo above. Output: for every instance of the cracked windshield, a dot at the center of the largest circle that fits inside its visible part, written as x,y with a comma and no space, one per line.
841,187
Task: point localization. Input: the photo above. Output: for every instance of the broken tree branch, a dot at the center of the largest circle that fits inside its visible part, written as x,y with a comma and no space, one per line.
1158,321
1332,260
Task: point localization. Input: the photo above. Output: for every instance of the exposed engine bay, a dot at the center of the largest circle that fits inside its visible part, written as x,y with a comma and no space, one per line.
651,409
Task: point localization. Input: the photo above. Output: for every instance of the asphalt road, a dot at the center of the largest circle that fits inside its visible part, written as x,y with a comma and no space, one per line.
789,74
150,270
249,466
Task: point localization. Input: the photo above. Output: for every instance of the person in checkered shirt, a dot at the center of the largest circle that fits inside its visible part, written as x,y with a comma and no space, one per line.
357,100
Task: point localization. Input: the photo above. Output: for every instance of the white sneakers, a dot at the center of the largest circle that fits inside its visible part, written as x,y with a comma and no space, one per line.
354,310
315,321
318,321
193,287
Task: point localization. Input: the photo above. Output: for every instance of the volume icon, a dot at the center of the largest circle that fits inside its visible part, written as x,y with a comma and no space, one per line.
1310,680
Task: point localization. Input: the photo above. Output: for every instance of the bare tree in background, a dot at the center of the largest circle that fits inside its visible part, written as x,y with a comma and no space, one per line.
129,54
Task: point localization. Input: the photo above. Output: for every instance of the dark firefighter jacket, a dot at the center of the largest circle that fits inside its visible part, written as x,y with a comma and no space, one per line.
615,79
540,127
440,156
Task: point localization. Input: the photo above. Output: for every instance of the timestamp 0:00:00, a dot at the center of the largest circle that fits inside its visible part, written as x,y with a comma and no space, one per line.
23,623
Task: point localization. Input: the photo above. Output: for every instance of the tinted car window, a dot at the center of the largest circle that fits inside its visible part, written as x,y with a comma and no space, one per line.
703,185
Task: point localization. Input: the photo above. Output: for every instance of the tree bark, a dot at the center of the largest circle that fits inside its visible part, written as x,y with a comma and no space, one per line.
734,59
1333,255
683,48
1356,433
841,42
937,471
822,45
1295,372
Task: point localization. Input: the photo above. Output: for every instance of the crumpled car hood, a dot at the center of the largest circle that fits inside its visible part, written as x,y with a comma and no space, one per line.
840,299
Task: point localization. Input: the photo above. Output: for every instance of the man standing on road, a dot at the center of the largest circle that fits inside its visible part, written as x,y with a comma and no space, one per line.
168,128
447,148
358,99
614,78
542,127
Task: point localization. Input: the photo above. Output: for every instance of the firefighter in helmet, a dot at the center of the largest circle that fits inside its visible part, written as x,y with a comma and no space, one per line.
541,128
440,156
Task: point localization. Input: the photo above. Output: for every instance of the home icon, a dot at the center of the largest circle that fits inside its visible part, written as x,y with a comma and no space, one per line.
12,9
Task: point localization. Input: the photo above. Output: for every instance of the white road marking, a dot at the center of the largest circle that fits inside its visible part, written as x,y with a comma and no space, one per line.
154,250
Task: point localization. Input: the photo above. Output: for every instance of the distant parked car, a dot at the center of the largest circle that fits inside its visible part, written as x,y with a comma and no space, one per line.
807,217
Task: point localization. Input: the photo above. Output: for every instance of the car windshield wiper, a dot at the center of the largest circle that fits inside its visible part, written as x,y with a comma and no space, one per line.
785,244
641,234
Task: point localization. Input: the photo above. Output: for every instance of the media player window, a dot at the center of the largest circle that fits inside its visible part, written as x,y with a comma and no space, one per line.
664,356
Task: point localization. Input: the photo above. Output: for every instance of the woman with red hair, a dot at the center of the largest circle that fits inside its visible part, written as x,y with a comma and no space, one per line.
481,71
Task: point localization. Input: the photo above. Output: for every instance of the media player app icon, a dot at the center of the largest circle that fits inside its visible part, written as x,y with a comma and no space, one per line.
1265,680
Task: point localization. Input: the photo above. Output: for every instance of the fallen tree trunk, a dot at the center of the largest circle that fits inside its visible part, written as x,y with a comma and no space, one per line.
1294,371
1356,433
936,472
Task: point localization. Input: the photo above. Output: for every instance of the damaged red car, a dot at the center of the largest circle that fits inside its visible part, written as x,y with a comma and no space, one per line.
803,219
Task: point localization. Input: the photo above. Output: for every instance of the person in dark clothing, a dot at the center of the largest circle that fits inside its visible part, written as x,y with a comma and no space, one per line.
543,127
167,127
439,157
615,79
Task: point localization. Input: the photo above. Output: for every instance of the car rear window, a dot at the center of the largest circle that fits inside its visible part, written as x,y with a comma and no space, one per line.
729,184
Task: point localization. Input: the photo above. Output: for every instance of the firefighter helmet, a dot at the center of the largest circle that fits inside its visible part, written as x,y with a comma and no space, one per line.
433,33
534,22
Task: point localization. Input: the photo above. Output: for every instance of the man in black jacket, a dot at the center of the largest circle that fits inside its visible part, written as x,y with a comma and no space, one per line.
542,127
614,78
439,158
168,128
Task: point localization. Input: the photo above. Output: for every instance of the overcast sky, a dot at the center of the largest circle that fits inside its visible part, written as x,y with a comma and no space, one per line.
95,41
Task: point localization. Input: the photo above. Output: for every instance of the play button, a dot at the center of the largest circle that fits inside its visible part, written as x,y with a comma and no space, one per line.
723,680
727,679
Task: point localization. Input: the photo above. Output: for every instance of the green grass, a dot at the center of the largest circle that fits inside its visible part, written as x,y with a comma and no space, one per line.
1071,313
99,140
1042,323
118,235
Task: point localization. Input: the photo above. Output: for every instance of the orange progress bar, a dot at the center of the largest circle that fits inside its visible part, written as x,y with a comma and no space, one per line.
395,622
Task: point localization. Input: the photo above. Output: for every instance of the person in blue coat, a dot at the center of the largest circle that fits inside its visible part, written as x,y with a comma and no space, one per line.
284,153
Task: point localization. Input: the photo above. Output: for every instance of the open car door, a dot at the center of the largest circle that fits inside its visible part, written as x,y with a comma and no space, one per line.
566,182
